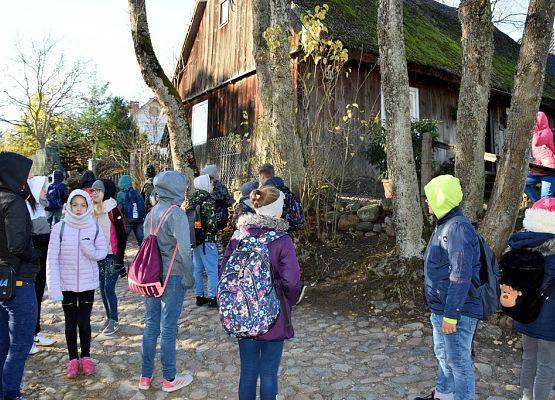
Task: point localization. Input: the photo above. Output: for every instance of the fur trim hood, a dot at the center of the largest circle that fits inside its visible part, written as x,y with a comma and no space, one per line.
262,221
539,220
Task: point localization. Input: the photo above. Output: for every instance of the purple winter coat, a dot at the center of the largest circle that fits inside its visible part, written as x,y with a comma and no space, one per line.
287,272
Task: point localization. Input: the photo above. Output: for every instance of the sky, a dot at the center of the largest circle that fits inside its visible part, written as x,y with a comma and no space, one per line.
98,31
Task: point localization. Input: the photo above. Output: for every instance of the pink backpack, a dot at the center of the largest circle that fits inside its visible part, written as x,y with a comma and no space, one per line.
145,272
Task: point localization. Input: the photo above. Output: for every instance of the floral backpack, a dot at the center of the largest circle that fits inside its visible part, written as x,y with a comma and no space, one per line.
248,301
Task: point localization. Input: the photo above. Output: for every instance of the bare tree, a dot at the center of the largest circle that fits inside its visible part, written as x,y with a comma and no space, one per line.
400,160
502,211
43,87
181,144
272,44
472,111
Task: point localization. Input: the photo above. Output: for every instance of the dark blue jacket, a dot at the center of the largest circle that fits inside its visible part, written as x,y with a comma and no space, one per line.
544,326
452,268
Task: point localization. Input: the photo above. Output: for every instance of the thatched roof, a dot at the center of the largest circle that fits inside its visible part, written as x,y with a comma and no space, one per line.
432,36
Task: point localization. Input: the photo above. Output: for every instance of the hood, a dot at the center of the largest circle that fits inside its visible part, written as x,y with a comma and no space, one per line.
125,182
444,193
247,188
110,189
212,171
80,221
36,184
58,176
170,186
276,182
246,221
203,183
542,122
150,171
87,179
14,170
544,242
109,205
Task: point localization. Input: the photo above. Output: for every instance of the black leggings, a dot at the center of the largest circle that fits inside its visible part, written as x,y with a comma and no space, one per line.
77,311
40,283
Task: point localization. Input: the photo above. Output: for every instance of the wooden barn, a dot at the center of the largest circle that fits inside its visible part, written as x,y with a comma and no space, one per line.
216,73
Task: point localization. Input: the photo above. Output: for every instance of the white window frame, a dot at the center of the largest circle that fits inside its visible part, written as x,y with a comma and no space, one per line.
199,123
414,107
221,14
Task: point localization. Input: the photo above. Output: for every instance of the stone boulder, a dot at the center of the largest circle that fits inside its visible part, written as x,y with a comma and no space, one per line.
370,212
377,228
347,221
364,226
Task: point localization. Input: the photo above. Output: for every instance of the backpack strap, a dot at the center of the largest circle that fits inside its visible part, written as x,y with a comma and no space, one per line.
62,230
64,225
161,222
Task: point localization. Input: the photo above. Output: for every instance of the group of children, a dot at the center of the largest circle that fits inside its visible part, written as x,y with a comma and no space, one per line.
85,251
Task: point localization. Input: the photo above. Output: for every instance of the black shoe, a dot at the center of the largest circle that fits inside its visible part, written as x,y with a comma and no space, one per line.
212,302
201,300
430,397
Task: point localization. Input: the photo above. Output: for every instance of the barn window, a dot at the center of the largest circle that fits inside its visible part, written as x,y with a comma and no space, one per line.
199,129
414,105
224,12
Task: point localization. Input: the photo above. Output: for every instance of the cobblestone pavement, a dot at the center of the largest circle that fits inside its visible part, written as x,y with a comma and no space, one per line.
333,356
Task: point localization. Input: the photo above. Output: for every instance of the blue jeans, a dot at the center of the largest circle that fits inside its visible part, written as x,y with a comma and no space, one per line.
18,318
161,316
137,228
547,189
454,355
205,258
262,359
108,279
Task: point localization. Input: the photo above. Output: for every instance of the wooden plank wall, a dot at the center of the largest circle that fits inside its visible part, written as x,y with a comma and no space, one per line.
219,53
226,105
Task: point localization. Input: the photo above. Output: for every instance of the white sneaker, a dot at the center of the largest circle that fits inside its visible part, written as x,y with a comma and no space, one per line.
42,340
34,349
179,382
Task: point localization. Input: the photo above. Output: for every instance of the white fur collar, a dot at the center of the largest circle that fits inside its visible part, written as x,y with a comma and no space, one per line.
537,220
263,221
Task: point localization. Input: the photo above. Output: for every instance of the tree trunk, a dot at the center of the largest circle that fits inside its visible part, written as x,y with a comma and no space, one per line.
426,161
400,159
278,134
502,211
472,113
181,145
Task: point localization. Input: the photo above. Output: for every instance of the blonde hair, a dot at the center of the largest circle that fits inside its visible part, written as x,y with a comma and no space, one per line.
263,196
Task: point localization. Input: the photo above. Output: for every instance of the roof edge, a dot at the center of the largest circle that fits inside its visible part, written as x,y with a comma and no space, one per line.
196,19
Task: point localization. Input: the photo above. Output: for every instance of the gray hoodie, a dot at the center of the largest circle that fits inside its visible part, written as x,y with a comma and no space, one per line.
170,187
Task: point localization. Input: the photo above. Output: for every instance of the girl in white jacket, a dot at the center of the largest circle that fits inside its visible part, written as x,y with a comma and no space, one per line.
75,247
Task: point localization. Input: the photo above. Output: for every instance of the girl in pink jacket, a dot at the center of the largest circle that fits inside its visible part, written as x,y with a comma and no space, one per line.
76,245
543,151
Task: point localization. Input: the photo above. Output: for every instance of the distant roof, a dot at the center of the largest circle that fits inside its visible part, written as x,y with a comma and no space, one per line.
432,36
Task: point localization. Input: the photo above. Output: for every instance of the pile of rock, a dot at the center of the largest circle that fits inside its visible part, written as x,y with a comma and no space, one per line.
369,217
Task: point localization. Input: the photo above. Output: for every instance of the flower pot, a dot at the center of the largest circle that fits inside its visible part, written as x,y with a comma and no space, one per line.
387,188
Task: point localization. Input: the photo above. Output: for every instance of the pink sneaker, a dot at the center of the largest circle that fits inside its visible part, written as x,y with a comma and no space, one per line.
144,383
88,366
179,382
72,368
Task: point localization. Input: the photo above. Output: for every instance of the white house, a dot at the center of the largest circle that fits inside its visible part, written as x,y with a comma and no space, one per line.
149,118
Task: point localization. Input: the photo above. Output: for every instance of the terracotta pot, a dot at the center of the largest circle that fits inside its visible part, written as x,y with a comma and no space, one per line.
387,188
